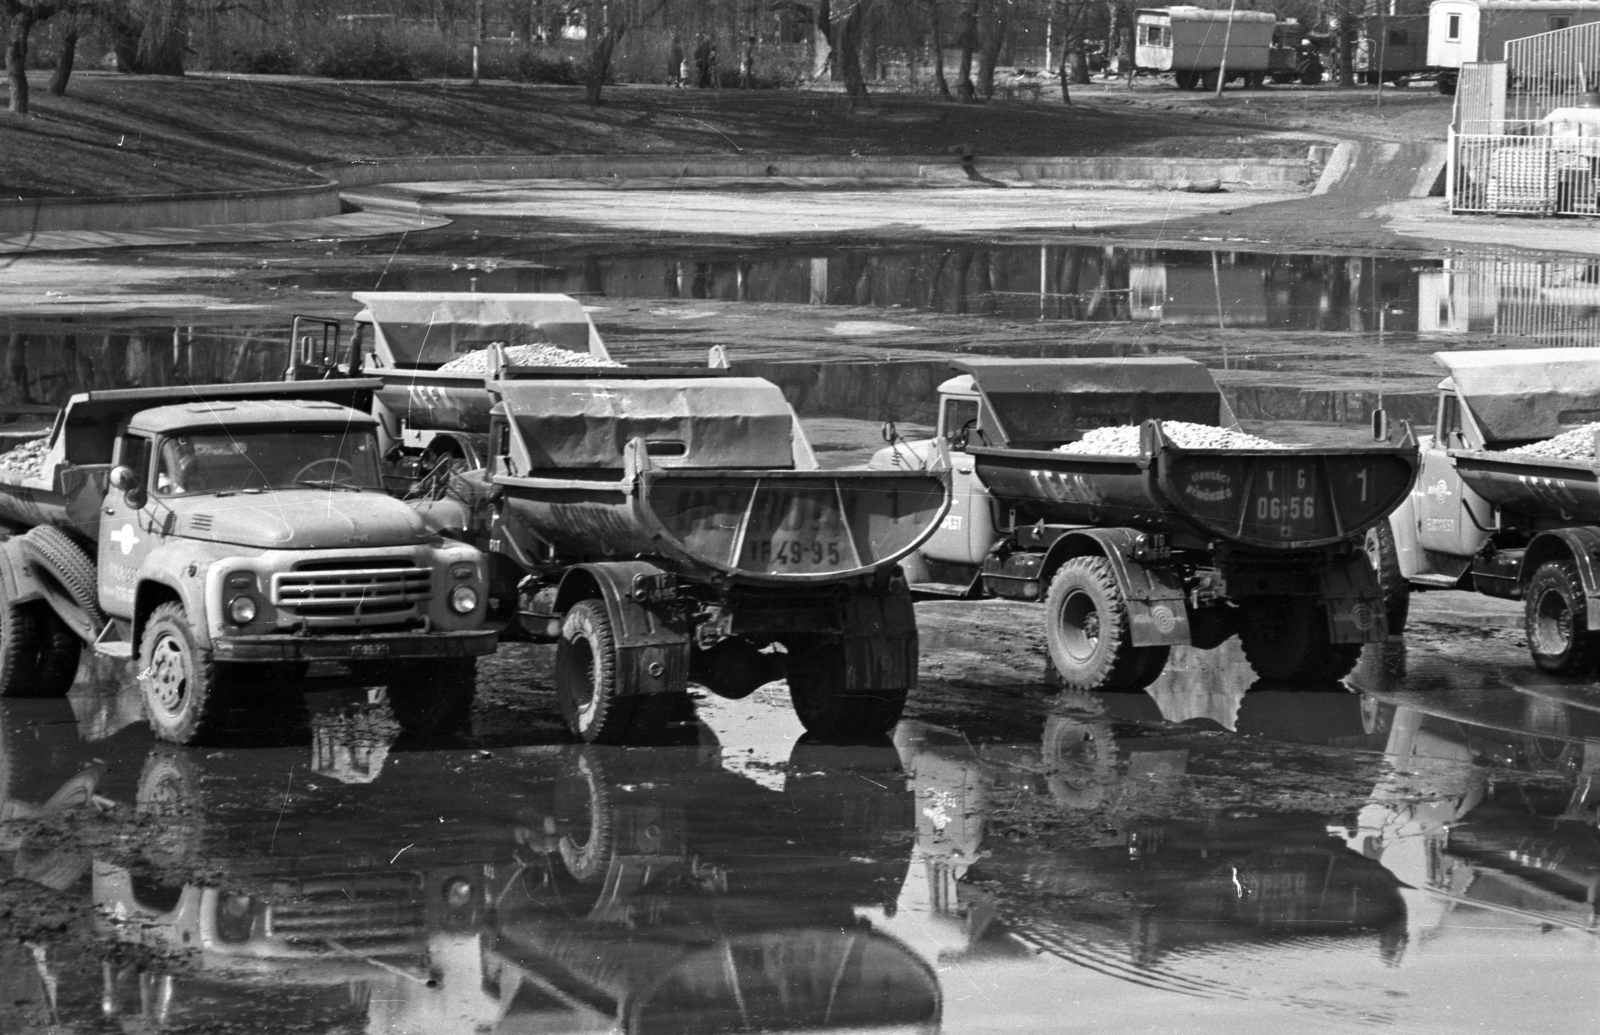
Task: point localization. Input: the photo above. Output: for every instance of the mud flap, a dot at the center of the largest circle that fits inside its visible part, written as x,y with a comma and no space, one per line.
880,642
1354,601
652,649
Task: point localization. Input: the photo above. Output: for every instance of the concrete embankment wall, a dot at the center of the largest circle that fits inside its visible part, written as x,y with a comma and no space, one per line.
1275,172
136,211
132,212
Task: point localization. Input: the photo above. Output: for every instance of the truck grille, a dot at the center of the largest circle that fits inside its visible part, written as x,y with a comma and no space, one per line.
358,589
361,912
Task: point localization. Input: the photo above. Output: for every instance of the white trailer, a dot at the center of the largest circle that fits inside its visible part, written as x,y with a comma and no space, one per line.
1463,31
1197,45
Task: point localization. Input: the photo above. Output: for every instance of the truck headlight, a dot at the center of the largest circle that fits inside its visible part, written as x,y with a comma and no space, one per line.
463,600
242,609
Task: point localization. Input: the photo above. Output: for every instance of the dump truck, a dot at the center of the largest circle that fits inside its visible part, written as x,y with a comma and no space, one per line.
222,538
658,523
672,524
430,352
1157,543
1507,502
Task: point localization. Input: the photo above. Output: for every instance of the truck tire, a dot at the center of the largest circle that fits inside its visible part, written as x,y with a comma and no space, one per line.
182,687
1555,618
822,703
19,649
1209,79
1385,561
1185,79
71,566
1286,640
170,796
1087,631
433,698
586,822
586,683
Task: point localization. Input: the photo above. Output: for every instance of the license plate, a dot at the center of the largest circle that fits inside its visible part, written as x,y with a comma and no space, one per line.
370,650
795,553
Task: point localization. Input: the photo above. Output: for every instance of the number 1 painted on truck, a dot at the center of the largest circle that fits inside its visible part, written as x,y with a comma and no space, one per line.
1362,475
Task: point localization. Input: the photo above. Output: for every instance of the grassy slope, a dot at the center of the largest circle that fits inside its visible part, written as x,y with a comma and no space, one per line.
134,135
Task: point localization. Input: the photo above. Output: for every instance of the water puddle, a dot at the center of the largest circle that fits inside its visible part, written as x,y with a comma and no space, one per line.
749,878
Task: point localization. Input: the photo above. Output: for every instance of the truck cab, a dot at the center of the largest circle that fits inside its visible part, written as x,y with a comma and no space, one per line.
1443,523
225,544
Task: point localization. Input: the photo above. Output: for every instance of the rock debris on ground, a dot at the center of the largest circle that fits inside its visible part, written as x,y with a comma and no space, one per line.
25,461
526,356
1577,444
1124,440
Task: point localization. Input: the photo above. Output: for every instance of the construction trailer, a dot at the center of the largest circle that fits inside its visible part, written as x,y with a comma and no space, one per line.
1201,47
1464,31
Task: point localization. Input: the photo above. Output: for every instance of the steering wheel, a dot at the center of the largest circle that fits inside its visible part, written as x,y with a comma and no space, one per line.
960,438
340,471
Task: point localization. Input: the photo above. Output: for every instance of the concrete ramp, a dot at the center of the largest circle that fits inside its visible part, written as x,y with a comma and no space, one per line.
1378,173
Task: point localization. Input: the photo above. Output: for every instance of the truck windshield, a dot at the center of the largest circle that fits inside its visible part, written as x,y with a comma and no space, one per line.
258,460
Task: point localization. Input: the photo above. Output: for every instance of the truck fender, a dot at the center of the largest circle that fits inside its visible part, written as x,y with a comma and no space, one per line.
652,648
17,582
1157,605
1579,545
1403,523
1354,601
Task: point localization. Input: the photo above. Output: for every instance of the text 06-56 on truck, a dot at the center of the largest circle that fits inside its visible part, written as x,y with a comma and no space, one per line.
223,538
1109,490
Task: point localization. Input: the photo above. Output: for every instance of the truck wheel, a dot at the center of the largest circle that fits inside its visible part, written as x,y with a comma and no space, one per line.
1385,561
1286,640
1209,79
586,683
825,707
433,696
180,685
1087,631
1555,617
586,821
19,649
1185,79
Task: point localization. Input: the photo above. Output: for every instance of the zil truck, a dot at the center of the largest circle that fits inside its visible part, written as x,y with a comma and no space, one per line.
1507,502
1161,545
658,523
221,539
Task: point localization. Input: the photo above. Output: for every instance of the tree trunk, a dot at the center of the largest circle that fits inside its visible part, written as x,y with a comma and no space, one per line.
600,64
994,40
938,57
165,35
20,24
847,57
64,60
1347,46
965,92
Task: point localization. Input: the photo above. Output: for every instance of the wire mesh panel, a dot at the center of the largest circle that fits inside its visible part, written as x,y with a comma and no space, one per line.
1480,96
1547,71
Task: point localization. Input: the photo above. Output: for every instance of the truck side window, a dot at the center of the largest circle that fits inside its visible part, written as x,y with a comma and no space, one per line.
960,420
135,453
1453,29
1449,419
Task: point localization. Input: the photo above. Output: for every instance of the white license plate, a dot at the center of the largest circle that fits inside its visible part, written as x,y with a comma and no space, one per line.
370,650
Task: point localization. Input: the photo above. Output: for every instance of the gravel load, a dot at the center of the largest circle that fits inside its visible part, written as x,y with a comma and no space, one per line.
1577,444
525,356
1124,440
24,461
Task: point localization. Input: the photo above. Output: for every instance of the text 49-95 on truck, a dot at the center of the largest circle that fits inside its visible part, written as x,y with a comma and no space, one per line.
1508,498
1133,550
222,538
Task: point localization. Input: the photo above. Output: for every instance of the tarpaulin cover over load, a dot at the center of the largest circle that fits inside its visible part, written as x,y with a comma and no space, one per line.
427,328
721,422
1040,404
1521,395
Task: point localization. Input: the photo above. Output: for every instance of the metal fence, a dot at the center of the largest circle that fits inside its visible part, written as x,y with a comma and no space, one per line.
1547,302
1548,71
1521,171
1480,95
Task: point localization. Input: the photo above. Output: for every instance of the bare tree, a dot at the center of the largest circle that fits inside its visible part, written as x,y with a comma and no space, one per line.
841,29
20,18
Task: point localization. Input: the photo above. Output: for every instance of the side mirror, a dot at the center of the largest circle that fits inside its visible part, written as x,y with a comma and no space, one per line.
123,478
1380,425
890,433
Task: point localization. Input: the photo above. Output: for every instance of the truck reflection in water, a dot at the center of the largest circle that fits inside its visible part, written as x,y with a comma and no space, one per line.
596,889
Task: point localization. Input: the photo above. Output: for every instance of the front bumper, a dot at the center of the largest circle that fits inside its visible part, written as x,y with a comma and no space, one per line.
371,647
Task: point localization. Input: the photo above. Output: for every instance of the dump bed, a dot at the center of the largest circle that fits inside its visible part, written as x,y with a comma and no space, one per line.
68,485
711,474
1269,499
1566,491
413,334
